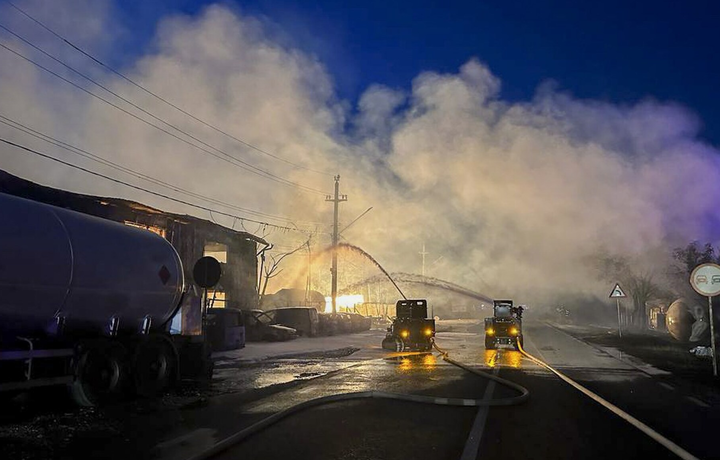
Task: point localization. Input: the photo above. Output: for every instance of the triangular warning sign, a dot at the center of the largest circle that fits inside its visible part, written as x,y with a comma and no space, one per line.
617,292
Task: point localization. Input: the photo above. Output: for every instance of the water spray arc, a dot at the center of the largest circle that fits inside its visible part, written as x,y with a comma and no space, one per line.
425,281
377,264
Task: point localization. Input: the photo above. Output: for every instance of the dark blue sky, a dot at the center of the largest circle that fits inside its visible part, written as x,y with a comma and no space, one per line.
619,51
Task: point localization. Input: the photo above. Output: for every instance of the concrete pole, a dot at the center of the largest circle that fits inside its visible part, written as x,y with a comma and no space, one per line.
336,214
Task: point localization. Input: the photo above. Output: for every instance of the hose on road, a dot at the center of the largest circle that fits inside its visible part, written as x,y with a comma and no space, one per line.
373,394
522,397
665,442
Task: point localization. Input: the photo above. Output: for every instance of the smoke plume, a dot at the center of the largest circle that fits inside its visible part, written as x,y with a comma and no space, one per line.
508,197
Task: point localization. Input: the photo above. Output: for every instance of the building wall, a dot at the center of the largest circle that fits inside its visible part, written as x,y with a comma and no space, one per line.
239,279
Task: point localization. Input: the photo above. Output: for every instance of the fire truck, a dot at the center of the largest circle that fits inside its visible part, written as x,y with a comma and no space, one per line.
411,330
505,326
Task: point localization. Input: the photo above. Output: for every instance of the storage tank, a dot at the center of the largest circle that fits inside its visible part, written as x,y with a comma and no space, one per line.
58,263
679,320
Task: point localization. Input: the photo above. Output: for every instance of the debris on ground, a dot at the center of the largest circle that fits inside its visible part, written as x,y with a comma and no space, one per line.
703,352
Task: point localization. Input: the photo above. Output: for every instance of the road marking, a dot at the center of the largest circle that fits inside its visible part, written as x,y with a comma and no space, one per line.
665,442
472,445
697,401
666,385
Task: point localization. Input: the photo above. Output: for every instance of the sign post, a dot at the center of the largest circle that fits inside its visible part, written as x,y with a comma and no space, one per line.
705,279
617,293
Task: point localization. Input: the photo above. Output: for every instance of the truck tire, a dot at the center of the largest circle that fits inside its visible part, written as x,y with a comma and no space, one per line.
154,366
100,372
490,344
393,343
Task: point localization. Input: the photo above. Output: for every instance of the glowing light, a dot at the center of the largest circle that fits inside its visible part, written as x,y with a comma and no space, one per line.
512,359
513,331
404,334
491,357
344,302
428,332
490,331
429,360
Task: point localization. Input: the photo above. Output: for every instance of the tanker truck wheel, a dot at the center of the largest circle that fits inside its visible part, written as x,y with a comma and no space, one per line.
153,366
100,372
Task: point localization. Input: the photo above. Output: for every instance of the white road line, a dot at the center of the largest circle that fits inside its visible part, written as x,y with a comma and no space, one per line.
472,445
665,442
666,385
697,401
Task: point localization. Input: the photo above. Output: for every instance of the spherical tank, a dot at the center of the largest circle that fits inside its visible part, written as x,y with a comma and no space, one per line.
86,270
679,320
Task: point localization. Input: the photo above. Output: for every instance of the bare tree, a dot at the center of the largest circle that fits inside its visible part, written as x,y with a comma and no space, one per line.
691,256
641,288
272,269
640,285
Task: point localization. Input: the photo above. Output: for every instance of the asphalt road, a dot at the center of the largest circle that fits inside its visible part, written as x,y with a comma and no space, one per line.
556,422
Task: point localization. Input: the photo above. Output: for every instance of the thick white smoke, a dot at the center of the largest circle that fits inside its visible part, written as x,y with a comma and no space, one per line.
512,196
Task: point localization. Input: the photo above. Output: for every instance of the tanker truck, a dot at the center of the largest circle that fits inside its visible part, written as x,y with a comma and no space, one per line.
87,302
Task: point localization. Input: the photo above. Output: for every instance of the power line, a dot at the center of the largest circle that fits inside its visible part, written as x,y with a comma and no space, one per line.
253,169
161,195
94,157
160,98
224,156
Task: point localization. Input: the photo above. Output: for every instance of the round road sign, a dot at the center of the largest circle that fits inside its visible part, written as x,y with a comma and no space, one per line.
207,272
705,279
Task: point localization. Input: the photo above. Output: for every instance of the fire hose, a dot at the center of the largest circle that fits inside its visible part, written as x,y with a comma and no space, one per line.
373,394
671,446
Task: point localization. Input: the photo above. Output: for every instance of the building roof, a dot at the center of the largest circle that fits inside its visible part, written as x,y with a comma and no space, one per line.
100,206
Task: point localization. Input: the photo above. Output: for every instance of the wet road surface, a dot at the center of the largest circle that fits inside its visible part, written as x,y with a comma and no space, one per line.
557,421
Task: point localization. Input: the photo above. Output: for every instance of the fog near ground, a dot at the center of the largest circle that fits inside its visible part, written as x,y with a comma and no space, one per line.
508,197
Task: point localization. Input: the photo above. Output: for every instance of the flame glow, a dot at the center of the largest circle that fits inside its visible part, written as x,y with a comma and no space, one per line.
345,302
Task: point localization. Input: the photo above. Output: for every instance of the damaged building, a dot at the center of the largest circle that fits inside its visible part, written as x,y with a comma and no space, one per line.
192,237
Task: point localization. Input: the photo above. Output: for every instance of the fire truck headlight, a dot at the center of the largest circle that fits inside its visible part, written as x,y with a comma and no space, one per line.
428,332
513,331
490,331
404,334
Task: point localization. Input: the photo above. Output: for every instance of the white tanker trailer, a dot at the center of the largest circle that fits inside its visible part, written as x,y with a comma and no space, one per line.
88,302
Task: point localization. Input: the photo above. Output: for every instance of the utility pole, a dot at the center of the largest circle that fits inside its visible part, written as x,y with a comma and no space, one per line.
336,201
423,254
308,284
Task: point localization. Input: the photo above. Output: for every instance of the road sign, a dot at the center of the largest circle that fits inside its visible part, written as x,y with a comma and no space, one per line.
617,292
705,279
